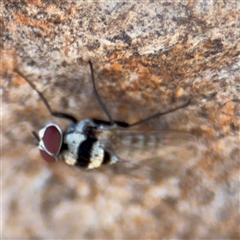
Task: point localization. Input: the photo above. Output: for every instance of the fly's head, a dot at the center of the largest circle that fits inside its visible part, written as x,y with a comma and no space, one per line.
50,140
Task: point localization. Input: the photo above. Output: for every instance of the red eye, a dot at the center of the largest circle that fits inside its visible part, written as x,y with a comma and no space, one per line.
50,142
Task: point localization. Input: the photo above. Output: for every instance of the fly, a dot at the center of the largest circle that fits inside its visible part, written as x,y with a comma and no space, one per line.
91,143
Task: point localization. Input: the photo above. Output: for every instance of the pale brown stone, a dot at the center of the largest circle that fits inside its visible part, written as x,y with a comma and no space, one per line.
147,57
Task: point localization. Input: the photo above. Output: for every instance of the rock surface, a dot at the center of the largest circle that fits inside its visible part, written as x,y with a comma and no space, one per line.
147,57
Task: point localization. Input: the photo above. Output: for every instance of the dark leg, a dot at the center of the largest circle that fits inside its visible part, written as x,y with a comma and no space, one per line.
160,114
55,114
111,122
98,97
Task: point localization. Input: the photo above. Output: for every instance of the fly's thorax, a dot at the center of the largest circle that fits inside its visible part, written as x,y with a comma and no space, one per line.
73,138
80,126
71,142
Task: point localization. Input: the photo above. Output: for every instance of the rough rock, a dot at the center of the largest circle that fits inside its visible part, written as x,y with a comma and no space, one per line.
148,57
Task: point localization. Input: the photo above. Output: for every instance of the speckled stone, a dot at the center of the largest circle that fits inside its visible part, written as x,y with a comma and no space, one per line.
147,57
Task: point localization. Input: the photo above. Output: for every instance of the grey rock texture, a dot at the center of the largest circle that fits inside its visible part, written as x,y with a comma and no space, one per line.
148,57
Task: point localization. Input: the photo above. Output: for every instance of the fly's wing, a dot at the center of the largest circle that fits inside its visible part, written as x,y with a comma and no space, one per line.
152,149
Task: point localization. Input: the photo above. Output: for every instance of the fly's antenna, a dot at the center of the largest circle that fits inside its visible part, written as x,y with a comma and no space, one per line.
98,97
160,114
36,136
55,114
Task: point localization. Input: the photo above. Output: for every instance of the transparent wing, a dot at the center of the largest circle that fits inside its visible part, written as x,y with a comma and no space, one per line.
153,149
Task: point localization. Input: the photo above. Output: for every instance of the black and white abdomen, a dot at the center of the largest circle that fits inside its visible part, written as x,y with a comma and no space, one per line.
91,154
82,149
